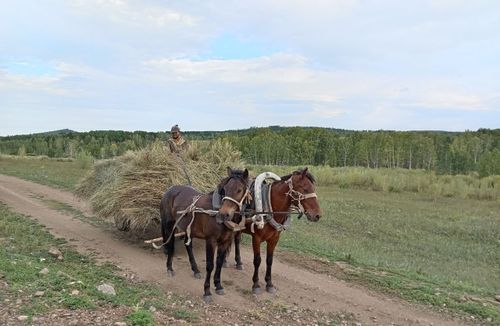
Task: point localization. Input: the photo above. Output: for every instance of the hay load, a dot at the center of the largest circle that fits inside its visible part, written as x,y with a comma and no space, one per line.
128,189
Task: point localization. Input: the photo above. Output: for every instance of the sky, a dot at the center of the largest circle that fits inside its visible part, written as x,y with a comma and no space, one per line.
220,65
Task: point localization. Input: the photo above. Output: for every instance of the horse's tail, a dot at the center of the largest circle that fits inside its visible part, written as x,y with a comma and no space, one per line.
166,220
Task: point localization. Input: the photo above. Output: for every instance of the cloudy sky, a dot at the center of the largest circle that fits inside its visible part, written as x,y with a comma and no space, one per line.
217,65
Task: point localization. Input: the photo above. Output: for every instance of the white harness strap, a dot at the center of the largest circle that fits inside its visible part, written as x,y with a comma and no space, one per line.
238,203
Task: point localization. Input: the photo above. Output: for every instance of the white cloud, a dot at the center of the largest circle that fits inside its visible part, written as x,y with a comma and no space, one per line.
135,13
10,84
326,113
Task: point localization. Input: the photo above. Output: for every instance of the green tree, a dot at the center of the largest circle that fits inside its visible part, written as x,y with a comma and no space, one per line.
490,164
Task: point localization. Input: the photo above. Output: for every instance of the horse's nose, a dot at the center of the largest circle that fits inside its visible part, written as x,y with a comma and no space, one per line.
227,216
314,217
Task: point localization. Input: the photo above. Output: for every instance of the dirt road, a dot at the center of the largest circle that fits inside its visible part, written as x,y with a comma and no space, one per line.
295,284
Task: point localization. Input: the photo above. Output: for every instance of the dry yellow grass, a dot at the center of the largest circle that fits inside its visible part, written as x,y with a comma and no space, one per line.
128,189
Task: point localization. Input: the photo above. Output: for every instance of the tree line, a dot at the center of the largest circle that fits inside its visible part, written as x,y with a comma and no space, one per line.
443,152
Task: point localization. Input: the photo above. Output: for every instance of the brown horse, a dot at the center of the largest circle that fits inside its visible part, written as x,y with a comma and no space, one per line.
296,189
186,209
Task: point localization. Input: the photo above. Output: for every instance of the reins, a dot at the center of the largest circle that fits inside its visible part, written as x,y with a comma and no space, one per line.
183,166
190,209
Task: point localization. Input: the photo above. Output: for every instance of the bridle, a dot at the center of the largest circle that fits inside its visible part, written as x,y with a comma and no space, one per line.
246,197
297,195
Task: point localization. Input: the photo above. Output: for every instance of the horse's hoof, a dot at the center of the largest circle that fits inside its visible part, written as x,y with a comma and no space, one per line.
271,289
239,267
224,264
256,291
219,291
170,273
197,275
207,298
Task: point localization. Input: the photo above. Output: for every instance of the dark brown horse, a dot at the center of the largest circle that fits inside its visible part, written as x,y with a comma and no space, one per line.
296,189
186,209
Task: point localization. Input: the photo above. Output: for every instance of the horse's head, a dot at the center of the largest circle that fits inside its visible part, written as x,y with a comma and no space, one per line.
234,192
302,193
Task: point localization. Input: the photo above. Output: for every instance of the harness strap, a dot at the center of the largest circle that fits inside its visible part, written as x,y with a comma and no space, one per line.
298,196
281,227
295,196
238,203
190,209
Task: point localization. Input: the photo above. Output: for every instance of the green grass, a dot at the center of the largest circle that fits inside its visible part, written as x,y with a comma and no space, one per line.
52,172
24,253
409,245
185,314
427,248
140,317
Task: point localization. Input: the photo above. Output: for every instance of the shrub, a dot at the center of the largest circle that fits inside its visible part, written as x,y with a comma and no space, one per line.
84,159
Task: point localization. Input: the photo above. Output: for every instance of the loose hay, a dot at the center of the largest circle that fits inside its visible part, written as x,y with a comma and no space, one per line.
128,189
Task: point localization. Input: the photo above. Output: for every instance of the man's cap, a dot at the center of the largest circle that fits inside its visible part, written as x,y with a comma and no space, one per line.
175,129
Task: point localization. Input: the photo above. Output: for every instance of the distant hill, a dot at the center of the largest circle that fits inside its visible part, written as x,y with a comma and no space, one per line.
209,134
55,132
60,132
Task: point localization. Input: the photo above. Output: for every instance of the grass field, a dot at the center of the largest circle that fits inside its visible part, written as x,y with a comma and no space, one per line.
400,180
56,173
437,250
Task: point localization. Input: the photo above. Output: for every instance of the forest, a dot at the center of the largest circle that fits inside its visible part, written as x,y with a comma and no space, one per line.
439,151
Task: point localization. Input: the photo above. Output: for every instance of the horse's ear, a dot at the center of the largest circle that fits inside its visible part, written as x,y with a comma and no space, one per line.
245,174
304,172
229,171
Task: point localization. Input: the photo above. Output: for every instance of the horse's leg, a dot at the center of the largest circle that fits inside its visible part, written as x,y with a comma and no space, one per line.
210,248
192,261
271,244
221,254
169,246
226,255
237,256
256,264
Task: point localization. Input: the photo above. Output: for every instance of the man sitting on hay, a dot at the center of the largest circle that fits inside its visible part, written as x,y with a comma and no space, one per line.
176,143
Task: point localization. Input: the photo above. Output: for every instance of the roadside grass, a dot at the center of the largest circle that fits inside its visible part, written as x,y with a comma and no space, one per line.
140,317
70,283
59,173
185,314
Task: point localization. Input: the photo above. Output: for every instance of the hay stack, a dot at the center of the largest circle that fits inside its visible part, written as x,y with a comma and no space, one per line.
128,189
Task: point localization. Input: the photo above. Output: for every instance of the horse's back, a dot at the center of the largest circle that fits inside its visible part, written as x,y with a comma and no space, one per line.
178,198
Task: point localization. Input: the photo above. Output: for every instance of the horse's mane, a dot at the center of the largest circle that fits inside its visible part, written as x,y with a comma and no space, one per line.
308,174
236,173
